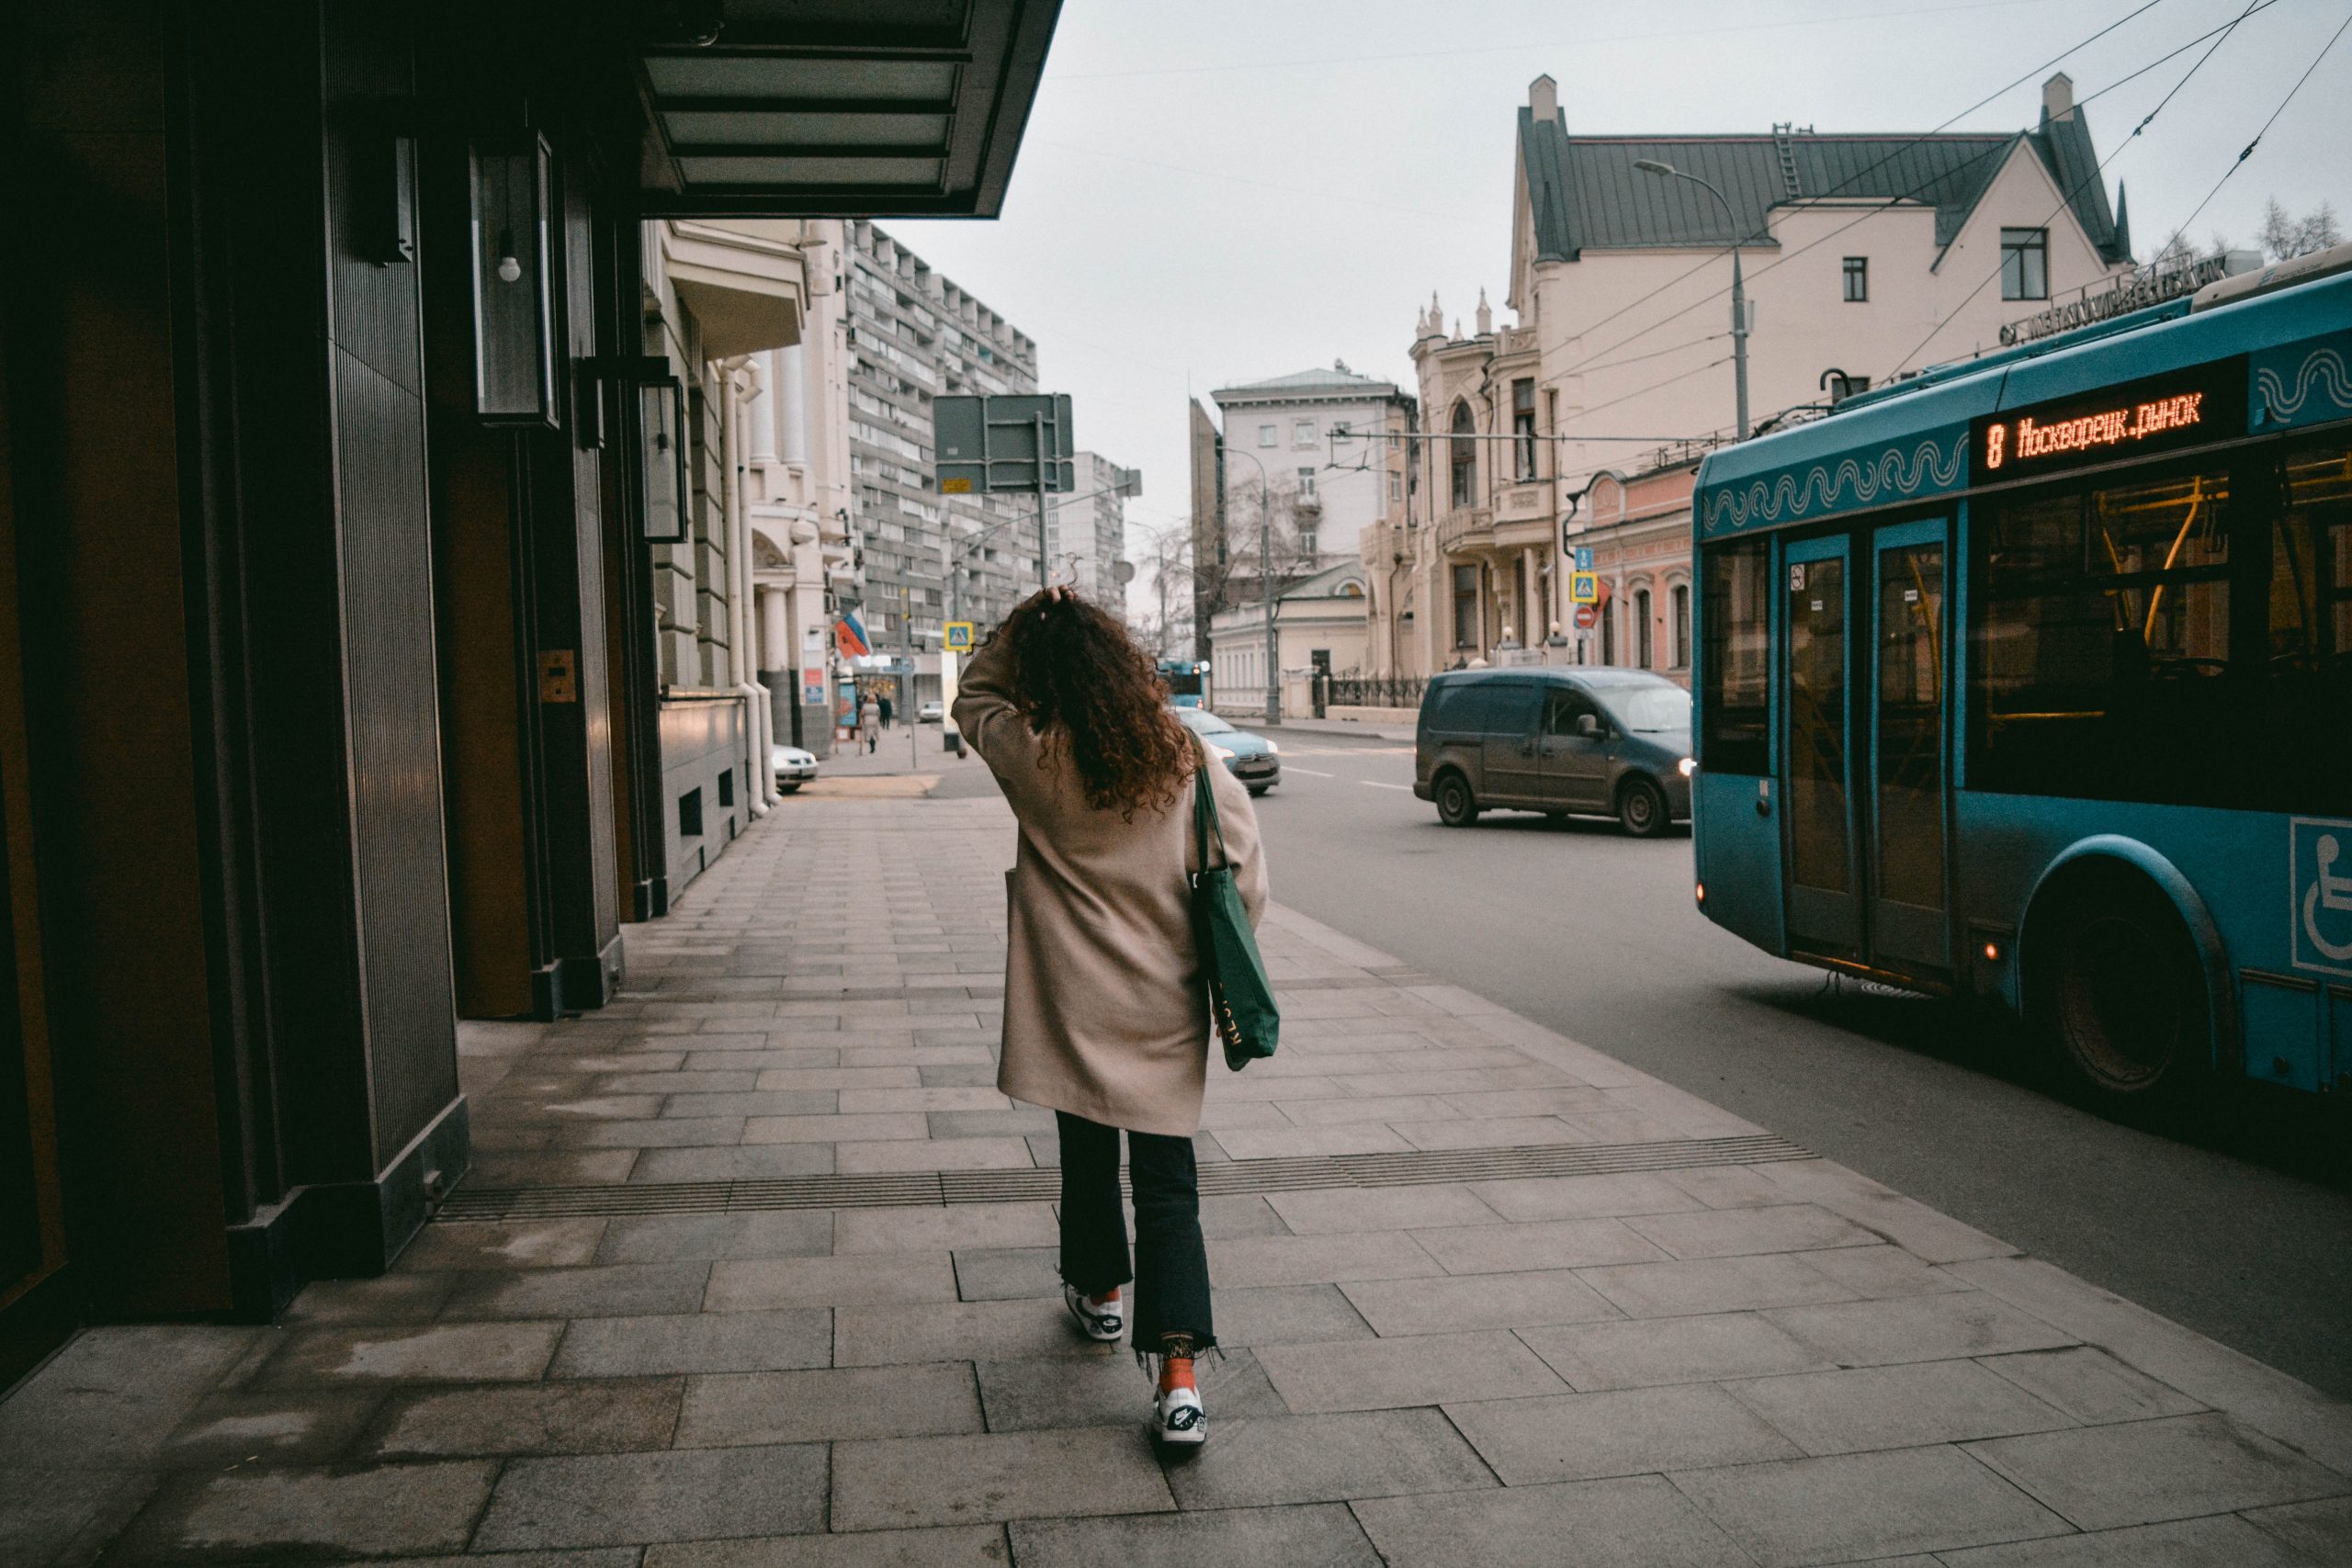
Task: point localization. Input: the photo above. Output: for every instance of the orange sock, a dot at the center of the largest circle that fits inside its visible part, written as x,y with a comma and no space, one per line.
1176,1373
1106,1297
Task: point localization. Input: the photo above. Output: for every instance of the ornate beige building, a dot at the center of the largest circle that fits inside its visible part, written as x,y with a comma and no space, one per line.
1576,424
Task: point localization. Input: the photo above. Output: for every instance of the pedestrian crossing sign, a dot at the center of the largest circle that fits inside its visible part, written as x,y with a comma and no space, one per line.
959,637
1584,588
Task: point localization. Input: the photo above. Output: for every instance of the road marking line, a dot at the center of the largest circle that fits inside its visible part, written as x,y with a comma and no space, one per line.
1376,783
1311,773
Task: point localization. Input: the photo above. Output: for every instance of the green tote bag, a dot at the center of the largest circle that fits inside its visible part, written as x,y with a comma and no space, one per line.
1241,999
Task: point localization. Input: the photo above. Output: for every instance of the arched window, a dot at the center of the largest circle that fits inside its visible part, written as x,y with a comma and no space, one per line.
1642,638
1681,626
1465,457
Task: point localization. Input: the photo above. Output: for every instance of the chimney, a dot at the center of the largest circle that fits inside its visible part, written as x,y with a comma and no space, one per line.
2058,96
1544,97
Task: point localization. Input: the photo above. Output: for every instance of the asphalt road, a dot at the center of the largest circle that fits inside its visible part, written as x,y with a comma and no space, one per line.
2238,1225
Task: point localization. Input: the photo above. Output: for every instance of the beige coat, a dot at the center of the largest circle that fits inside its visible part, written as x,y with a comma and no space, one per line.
1105,1012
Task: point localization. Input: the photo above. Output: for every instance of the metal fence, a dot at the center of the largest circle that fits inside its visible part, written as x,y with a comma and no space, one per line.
1352,690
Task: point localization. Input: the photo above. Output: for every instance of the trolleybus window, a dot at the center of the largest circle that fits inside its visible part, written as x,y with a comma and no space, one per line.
1736,658
2101,640
2307,696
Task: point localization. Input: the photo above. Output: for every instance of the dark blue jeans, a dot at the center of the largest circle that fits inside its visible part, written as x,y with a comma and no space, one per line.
1171,1272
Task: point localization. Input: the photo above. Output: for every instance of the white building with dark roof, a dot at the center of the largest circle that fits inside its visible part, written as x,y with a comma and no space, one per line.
1865,257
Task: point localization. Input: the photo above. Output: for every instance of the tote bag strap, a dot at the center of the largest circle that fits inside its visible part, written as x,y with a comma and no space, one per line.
1205,819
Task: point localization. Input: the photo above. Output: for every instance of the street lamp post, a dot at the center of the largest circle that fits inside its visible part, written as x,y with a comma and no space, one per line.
1266,583
1738,289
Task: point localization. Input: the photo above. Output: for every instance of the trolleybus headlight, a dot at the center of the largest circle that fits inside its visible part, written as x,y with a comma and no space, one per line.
1699,891
1688,765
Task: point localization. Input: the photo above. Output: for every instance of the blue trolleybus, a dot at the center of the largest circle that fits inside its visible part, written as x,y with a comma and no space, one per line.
2030,680
1188,683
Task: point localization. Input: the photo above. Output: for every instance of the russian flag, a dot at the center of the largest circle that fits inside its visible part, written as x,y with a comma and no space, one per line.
850,637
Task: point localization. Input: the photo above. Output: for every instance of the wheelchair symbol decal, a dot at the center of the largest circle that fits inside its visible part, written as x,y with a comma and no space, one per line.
2322,905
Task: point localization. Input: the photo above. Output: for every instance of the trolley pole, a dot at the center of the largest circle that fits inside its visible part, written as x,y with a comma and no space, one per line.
1044,565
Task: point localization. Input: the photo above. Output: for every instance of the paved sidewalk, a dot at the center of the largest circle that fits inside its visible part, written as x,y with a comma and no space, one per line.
1489,1297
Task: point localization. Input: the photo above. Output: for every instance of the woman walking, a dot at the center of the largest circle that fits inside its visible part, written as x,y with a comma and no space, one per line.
870,720
1106,1020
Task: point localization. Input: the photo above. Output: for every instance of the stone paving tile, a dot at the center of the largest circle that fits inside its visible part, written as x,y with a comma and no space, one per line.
936,1153
577,1167
1492,1133
1316,1212
956,1225
1640,1522
2321,1532
1018,1122
1583,1197
607,1557
545,1418
1730,1233
1319,1259
1330,1112
751,1102
405,1509
681,1496
1421,1369
901,1483
829,1404
763,1162
1474,1301
1583,1437
957,1331
2090,1385
698,1342
1067,1391
864,1280
833,1129
854,1101
467,1352
782,1233
1010,1273
295,1426
1791,1512
683,1133
966,1546
1289,1143
66,1515
1305,1536
1712,1285
388,1298
112,1395
1702,1349
1895,1407
620,1290
1534,1244
2142,1471
2221,1541
1918,1329
1911,1225
1255,1461
1876,1271
1285,1315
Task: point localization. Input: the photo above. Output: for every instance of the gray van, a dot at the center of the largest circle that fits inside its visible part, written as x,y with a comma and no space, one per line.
1588,740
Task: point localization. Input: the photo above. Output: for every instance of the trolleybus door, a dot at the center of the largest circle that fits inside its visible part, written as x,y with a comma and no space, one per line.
1817,758
1908,768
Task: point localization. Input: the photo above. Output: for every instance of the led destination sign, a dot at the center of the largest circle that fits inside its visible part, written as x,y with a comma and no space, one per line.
2186,409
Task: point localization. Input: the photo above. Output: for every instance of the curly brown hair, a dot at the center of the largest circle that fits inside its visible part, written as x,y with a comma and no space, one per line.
1084,685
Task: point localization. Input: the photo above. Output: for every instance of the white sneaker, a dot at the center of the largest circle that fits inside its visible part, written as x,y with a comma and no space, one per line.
1097,1320
1177,1419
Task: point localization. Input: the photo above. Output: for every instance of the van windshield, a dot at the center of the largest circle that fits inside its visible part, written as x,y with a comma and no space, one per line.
1650,710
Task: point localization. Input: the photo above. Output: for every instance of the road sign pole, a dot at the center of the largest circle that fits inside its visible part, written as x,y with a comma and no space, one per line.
1044,560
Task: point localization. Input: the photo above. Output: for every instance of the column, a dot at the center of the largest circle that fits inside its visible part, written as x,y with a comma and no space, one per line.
775,662
788,374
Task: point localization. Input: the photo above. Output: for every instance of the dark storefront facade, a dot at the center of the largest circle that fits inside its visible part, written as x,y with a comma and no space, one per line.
330,452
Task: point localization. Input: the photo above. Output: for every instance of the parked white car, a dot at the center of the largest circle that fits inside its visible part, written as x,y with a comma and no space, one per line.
793,768
930,712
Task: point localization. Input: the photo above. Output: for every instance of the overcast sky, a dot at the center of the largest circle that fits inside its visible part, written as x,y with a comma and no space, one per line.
1223,190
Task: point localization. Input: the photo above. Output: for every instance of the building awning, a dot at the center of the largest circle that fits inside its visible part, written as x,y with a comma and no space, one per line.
843,108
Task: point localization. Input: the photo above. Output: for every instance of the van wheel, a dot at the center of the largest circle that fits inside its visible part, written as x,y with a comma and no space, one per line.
2123,991
1641,809
1455,807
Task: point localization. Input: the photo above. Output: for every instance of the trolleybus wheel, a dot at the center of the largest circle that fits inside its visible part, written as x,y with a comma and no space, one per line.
1641,809
1455,805
2126,992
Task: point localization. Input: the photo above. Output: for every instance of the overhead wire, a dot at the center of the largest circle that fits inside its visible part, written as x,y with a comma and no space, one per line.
2247,152
2067,200
2001,147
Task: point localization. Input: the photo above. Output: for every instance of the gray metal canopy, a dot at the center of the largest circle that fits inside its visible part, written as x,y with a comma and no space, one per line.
843,109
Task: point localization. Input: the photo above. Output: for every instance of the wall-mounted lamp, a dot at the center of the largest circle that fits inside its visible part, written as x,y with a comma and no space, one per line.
662,458
514,293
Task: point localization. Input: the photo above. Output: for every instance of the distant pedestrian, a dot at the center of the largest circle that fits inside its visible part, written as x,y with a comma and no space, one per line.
869,722
885,710
1106,1018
